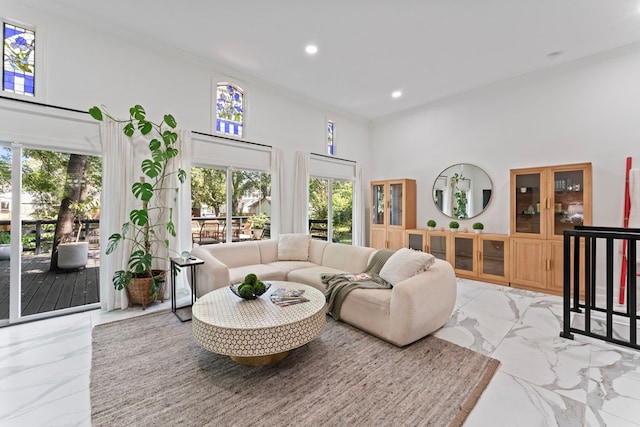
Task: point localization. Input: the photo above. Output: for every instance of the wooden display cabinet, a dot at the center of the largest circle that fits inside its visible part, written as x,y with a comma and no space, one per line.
483,257
393,210
434,242
545,201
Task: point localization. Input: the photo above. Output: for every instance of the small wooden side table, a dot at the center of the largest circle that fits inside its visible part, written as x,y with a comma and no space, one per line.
191,262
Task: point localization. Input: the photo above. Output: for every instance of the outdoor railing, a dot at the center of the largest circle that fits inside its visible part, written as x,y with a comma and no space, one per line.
37,234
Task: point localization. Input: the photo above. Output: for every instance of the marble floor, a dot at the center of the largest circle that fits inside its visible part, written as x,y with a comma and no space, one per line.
543,380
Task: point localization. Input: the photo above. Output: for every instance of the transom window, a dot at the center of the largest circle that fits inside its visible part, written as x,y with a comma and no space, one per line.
229,109
331,150
18,52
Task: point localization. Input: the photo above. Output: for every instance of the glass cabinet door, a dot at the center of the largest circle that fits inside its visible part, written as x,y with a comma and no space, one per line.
568,200
438,245
527,204
493,257
395,205
377,204
463,253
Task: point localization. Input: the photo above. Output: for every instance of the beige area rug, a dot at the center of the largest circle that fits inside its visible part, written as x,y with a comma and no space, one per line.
148,371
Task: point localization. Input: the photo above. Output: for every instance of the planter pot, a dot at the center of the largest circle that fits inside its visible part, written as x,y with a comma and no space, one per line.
431,228
453,230
5,251
139,290
73,255
477,231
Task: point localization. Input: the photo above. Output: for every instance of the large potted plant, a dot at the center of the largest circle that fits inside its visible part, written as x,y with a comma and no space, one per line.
151,223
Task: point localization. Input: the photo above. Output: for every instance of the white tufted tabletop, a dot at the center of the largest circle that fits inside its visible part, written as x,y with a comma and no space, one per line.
226,324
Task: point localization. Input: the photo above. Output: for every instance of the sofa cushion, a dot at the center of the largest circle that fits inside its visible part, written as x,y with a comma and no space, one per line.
263,271
311,276
346,258
405,263
293,247
287,266
316,250
236,254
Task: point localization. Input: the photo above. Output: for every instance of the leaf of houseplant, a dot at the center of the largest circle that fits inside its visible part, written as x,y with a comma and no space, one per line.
158,156
139,217
170,121
169,137
182,175
154,144
137,112
114,239
150,168
129,130
142,191
171,152
121,279
96,113
144,127
140,261
171,228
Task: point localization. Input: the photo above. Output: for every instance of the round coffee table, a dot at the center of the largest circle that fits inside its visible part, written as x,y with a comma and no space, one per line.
257,332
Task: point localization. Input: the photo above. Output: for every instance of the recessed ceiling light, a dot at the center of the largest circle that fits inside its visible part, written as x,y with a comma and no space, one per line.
311,49
396,94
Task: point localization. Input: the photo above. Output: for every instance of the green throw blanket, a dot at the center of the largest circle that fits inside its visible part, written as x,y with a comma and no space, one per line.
339,285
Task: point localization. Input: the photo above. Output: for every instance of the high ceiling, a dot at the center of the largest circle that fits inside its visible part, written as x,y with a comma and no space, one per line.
428,49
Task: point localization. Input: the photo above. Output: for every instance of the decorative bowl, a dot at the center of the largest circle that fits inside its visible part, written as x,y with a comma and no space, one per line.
234,288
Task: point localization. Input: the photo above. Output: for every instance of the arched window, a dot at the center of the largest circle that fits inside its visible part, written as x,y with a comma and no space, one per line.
18,65
229,109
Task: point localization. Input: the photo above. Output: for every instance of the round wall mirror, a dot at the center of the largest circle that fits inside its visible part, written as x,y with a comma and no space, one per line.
462,191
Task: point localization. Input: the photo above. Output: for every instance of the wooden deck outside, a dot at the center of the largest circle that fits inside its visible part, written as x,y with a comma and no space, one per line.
44,290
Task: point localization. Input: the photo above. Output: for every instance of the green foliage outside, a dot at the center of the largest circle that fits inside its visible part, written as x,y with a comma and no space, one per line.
342,205
44,175
209,188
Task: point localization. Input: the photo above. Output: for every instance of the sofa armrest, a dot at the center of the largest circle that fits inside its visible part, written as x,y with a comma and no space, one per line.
422,304
211,275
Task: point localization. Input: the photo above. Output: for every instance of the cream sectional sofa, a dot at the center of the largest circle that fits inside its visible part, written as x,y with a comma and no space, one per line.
410,310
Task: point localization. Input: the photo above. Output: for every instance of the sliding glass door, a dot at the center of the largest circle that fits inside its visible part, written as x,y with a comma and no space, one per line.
49,219
5,231
229,205
331,199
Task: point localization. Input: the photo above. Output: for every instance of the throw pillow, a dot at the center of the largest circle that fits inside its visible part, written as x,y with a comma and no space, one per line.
405,263
293,247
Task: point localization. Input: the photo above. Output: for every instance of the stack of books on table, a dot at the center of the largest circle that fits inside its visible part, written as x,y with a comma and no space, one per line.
284,297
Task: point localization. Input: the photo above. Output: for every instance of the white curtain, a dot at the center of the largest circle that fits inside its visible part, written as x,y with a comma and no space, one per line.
120,169
182,212
278,208
301,194
115,203
359,208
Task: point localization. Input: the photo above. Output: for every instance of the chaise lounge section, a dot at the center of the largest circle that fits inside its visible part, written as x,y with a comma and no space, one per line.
413,308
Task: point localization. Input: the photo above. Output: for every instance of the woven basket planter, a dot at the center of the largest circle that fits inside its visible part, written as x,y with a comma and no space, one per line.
139,290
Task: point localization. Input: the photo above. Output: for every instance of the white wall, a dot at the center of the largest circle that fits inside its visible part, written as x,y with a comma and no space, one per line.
585,112
82,66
